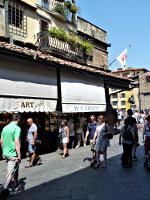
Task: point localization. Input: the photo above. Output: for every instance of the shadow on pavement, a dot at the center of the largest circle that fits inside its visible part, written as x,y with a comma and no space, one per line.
114,182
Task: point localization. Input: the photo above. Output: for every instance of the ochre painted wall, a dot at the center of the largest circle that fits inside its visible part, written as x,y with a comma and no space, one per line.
32,27
30,2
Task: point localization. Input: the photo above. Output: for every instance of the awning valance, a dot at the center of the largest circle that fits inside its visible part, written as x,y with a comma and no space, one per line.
82,94
27,105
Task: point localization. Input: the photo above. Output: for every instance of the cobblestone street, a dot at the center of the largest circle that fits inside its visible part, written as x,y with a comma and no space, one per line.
73,179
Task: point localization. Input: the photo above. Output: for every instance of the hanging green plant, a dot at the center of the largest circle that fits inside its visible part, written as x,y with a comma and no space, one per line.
73,39
68,5
87,47
74,9
58,33
59,8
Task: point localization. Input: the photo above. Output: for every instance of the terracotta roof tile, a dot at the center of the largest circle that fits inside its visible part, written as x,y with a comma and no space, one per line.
55,60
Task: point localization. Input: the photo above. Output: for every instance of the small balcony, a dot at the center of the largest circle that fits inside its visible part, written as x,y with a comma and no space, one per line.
57,47
52,6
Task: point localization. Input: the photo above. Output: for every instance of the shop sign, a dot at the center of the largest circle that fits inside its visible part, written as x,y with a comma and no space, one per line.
72,108
27,105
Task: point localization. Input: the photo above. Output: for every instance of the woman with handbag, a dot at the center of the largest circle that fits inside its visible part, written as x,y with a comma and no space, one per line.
101,139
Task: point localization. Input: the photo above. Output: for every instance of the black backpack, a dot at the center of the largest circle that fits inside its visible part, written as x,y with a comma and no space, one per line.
127,134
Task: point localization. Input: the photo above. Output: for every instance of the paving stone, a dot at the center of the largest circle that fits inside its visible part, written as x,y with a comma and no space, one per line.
73,179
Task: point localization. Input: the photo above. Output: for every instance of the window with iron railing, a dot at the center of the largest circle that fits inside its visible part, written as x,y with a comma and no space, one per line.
17,19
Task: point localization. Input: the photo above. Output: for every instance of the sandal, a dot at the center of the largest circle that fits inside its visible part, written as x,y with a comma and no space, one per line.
96,166
28,166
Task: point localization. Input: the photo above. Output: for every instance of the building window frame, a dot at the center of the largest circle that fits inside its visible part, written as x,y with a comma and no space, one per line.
114,103
17,19
123,95
123,103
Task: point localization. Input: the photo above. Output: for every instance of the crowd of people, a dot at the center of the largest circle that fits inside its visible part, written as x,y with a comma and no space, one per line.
97,132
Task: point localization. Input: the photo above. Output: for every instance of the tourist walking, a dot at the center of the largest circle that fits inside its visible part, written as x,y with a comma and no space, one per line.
64,135
31,139
127,139
10,143
71,127
101,140
147,138
133,123
79,134
91,128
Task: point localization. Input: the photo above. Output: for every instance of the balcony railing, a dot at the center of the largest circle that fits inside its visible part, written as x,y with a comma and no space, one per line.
54,45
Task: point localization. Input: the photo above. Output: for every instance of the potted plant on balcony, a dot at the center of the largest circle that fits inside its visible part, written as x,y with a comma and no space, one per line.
74,40
60,9
68,5
87,48
58,33
74,9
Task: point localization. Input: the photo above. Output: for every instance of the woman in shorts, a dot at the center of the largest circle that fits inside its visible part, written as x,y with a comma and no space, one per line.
101,140
64,133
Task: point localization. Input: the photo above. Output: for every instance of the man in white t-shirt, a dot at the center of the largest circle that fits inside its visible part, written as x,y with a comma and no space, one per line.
31,139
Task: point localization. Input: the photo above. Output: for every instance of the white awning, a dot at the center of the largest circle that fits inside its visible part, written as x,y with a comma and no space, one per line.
27,79
27,105
82,94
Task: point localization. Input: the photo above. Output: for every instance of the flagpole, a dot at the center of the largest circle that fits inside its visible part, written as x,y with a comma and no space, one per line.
116,58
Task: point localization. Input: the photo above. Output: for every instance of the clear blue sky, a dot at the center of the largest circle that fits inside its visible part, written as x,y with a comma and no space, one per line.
127,22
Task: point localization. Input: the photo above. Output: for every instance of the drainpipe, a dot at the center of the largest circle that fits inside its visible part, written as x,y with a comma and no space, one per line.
6,17
74,16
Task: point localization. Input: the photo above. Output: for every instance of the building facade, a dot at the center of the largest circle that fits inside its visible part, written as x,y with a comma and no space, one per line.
29,22
53,64
144,89
129,99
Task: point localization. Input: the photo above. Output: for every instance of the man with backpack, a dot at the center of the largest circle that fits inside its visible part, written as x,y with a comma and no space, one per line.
127,139
133,123
147,142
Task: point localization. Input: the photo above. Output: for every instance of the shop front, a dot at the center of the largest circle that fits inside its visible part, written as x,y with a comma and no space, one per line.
30,89
82,94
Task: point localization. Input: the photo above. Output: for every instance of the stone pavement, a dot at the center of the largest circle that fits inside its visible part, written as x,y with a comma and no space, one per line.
73,179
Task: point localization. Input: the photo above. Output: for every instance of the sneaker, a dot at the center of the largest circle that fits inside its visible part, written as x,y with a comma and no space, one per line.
77,146
84,145
17,188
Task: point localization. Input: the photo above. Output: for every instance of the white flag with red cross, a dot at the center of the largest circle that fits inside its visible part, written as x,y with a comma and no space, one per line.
122,58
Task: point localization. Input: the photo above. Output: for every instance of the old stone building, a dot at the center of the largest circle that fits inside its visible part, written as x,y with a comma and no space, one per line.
144,89
125,100
27,22
53,64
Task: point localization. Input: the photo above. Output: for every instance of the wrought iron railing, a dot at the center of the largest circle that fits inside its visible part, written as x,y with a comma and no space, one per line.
51,44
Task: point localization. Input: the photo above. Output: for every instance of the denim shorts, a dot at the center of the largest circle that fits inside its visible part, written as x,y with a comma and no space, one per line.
31,148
